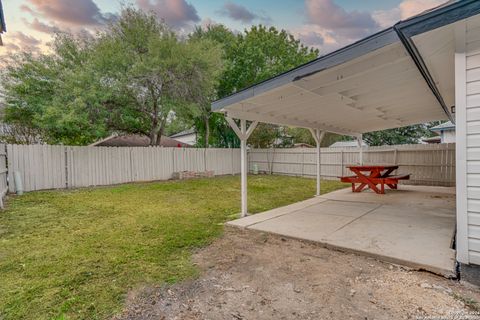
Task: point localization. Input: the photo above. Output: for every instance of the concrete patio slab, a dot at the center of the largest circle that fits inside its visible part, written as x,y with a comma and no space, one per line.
250,220
413,226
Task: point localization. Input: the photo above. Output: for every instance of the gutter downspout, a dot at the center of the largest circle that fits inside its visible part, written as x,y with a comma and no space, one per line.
422,67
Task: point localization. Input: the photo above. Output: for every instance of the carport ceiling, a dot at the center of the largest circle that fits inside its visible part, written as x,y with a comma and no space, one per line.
371,85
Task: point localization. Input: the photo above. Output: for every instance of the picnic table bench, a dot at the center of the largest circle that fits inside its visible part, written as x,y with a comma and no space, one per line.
372,176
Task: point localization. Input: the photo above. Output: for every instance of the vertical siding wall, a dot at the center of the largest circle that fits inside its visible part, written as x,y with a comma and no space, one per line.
428,164
55,167
473,139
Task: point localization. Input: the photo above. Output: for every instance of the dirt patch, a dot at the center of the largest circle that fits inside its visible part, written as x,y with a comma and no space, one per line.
252,275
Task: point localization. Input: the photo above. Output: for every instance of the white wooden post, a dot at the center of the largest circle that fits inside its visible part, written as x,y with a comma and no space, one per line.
243,133
318,136
360,145
243,164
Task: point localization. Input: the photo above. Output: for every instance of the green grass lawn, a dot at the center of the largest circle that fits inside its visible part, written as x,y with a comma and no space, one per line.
74,254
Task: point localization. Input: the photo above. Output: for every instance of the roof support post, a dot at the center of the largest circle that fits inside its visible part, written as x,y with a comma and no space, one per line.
243,134
360,146
318,135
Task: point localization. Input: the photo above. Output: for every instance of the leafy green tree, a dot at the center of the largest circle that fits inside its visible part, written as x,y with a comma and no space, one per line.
33,90
302,135
251,57
404,135
129,78
153,73
206,121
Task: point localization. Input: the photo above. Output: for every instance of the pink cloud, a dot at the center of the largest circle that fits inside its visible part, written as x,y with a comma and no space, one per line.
39,26
330,27
69,12
25,40
176,13
240,13
409,8
405,10
15,42
330,16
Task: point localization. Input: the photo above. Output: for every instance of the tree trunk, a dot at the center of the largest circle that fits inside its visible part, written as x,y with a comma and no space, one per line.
154,129
160,131
152,136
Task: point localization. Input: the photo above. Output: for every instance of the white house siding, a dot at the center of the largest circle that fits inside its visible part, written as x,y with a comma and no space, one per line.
448,136
470,84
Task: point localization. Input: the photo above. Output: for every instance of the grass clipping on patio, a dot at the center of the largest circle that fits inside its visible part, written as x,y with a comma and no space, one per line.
75,254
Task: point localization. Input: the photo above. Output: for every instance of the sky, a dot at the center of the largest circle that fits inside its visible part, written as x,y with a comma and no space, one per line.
324,24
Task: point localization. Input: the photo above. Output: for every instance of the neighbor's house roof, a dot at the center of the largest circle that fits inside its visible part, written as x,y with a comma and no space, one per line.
184,133
3,26
135,140
400,76
302,145
444,126
436,139
347,144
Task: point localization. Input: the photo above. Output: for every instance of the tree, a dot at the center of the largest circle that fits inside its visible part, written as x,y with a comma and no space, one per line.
254,56
152,73
404,135
34,91
129,78
204,119
302,135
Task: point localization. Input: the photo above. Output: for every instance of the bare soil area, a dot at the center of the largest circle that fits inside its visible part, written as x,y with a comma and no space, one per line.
252,275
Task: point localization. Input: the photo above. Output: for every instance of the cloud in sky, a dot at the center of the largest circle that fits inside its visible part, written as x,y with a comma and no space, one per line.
25,40
330,26
176,13
312,38
68,12
405,10
237,12
330,16
323,23
40,26
18,41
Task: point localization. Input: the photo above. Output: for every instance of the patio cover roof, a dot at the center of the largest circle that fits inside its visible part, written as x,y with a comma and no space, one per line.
400,76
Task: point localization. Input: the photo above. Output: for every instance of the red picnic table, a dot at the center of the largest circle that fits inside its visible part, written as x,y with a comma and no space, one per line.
372,176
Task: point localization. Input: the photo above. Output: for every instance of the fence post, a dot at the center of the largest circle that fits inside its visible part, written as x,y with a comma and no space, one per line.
132,173
67,178
342,161
395,158
232,161
205,159
303,162
173,160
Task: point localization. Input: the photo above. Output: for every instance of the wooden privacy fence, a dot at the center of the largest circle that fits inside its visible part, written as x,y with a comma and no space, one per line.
430,164
55,167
